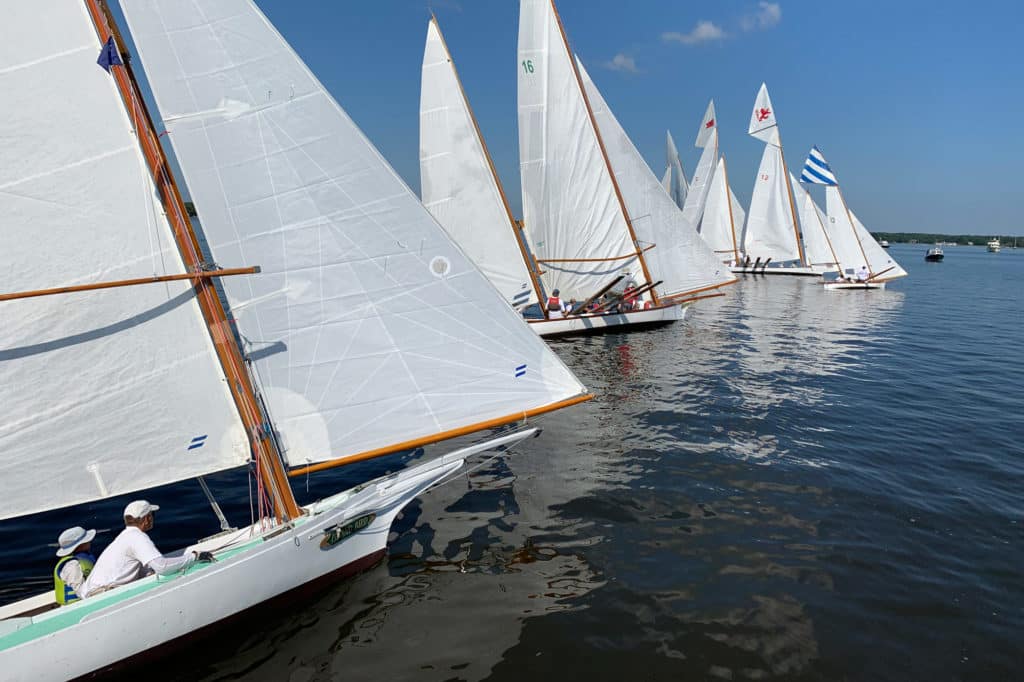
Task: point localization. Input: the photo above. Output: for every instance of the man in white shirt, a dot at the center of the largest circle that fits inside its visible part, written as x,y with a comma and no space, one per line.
132,555
863,273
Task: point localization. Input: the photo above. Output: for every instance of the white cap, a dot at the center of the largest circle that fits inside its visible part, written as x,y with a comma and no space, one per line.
70,539
139,509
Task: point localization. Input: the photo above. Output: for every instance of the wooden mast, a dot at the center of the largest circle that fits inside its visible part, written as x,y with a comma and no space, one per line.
792,205
604,153
516,228
264,449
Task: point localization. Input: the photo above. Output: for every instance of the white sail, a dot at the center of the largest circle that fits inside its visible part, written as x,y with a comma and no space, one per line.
576,220
700,183
763,125
457,182
717,227
881,265
770,231
817,247
842,233
681,258
739,220
368,328
675,181
708,131
110,391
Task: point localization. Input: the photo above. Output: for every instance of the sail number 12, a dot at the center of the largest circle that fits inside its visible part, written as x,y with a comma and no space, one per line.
528,65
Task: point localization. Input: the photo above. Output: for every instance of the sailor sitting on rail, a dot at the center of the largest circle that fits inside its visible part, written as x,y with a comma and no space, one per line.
863,273
132,555
75,565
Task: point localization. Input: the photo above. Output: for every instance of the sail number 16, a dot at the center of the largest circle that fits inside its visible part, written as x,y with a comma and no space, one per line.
528,65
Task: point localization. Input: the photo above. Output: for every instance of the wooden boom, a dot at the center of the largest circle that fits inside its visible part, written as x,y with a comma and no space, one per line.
202,274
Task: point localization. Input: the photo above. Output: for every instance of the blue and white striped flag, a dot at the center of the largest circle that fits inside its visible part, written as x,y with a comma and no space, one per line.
816,170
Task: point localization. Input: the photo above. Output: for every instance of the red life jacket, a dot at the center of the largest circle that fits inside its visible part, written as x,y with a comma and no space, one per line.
554,304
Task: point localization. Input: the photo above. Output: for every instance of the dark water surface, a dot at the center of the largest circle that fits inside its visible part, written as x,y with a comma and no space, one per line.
791,484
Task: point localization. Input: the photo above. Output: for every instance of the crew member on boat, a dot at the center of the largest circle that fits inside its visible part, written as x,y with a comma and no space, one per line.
863,273
556,307
132,554
76,563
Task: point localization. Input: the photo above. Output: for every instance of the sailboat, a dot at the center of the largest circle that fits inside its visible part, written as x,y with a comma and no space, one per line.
354,328
582,234
462,190
674,179
861,261
711,209
772,242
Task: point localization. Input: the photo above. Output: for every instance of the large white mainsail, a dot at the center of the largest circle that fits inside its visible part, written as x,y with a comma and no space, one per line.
700,183
110,391
680,258
771,231
368,329
817,245
458,184
674,180
570,204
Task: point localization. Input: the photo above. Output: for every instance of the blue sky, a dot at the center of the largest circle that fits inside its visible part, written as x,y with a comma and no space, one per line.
915,104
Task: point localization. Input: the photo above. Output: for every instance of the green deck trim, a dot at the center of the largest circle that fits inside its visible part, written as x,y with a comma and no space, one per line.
65,616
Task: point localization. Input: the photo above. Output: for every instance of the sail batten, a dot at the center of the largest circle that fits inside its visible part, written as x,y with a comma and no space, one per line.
105,392
367,320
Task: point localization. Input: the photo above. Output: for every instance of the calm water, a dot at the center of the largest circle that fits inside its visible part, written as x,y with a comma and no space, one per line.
792,484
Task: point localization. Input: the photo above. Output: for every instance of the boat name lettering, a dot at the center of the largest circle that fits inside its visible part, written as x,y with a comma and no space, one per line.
335,534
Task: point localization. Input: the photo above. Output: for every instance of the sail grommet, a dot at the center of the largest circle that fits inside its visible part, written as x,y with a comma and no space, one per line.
440,266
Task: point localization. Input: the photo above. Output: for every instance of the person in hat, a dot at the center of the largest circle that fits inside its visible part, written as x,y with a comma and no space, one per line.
75,564
132,554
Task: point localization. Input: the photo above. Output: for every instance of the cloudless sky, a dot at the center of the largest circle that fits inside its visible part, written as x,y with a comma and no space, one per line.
916,105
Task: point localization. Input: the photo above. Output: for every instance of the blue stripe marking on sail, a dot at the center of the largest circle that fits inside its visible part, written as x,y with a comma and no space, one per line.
812,176
520,371
521,296
197,442
816,169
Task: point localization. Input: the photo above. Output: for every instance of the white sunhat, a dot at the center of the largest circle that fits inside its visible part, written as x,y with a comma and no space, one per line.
139,509
72,538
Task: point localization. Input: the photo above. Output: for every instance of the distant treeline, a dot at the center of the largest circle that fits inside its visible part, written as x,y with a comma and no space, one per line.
925,238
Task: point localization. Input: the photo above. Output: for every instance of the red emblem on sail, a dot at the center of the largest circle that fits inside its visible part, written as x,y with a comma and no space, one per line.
762,114
710,124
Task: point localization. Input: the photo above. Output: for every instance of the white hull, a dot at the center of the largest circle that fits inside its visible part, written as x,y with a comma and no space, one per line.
98,632
862,286
588,324
802,271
